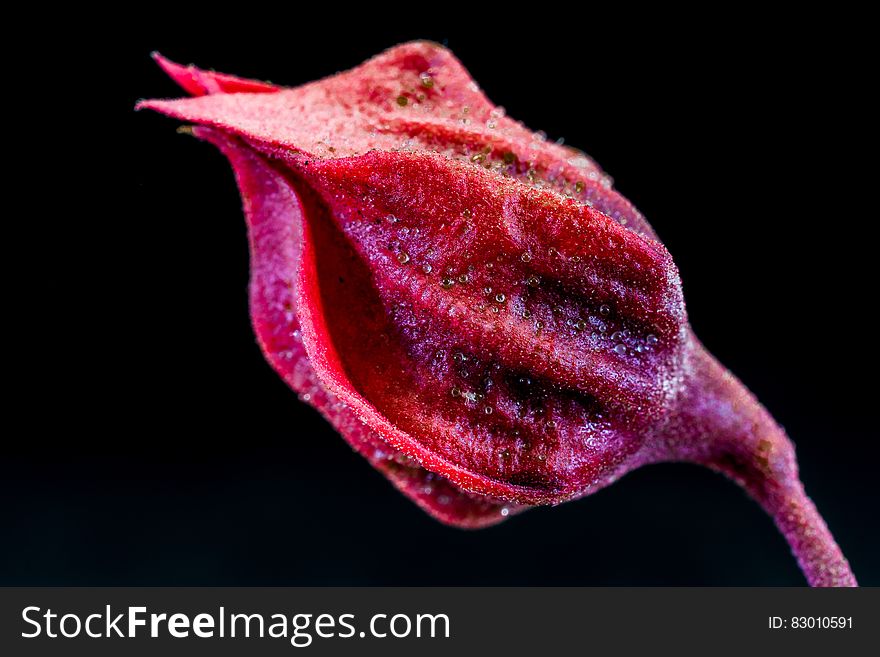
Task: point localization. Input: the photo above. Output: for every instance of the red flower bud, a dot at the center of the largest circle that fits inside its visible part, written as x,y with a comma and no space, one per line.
473,308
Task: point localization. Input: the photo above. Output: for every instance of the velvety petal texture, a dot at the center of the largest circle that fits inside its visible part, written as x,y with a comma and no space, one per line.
473,308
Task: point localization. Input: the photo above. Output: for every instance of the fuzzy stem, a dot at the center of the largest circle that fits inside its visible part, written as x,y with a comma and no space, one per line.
720,424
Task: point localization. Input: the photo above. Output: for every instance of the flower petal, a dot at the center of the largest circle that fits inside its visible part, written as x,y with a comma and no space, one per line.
276,218
514,341
416,96
197,82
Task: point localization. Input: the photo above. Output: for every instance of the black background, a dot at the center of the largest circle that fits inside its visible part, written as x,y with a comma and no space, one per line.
151,444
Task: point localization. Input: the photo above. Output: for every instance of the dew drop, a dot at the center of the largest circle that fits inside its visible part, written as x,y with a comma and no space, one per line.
620,349
526,257
505,511
604,309
526,314
500,298
464,278
447,283
427,268
402,101
403,257
455,392
651,339
580,325
427,80
487,410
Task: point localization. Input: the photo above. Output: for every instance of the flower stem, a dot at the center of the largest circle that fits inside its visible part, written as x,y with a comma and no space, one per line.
720,424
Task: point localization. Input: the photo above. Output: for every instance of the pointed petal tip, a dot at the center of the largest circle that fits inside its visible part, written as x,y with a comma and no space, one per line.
166,64
201,82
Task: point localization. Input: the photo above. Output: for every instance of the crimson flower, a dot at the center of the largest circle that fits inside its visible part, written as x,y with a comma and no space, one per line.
473,308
